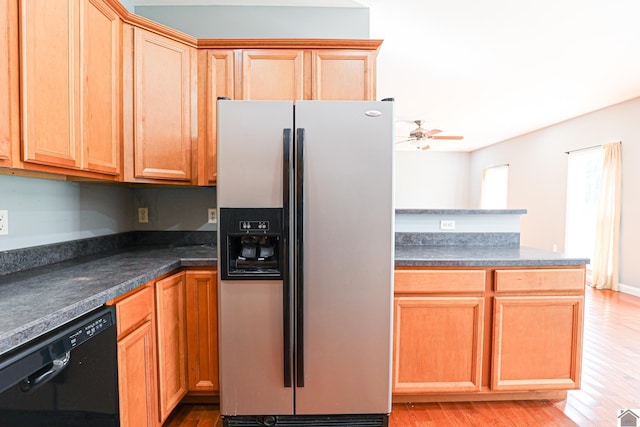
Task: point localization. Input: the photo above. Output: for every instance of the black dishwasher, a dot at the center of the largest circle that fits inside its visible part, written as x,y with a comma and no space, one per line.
68,377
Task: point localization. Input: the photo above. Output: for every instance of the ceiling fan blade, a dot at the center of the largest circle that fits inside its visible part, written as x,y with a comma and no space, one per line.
432,132
452,137
402,141
425,147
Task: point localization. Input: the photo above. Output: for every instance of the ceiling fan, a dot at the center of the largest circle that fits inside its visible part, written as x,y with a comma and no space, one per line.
422,134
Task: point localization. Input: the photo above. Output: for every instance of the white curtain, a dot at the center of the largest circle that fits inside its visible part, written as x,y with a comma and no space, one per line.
605,259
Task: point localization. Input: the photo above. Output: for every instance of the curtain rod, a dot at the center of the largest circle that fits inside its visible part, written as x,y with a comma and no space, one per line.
586,148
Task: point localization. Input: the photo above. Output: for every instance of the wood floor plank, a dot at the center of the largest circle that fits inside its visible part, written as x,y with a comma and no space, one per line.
610,381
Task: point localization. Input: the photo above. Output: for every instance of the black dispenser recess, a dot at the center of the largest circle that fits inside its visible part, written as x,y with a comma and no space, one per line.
251,243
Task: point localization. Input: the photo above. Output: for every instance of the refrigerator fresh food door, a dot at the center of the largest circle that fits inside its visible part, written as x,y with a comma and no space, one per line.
347,271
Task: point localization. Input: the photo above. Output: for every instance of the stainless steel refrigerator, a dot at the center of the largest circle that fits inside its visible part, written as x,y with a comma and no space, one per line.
305,262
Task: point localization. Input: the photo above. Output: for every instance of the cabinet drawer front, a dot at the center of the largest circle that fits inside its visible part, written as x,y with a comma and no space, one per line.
134,310
430,281
572,279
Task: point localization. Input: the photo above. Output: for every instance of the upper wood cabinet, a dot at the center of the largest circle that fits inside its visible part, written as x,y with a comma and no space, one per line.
158,100
9,104
70,84
277,69
215,79
344,75
275,74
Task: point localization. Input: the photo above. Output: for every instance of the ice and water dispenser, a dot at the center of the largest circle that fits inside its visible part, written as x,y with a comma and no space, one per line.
252,244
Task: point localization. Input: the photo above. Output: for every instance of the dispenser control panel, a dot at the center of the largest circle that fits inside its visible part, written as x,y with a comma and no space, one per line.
254,226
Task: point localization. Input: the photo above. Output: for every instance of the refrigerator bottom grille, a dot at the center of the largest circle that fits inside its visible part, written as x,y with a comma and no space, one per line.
365,420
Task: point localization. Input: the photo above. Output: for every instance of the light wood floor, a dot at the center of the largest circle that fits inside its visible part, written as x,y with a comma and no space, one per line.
610,381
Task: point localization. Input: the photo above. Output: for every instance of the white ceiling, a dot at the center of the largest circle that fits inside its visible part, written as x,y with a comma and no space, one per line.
495,69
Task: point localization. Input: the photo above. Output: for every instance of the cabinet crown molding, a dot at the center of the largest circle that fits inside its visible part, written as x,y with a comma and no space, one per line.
360,44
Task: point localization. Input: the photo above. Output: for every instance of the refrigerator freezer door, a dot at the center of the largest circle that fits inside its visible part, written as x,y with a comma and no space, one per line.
251,344
250,152
348,257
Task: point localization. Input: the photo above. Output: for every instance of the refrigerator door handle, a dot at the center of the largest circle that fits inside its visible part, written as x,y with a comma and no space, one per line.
286,275
299,267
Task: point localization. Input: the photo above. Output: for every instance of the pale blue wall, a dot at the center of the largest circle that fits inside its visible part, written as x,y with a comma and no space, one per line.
45,211
262,22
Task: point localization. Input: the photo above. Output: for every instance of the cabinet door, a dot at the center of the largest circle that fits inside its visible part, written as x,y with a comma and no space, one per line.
202,332
9,86
437,344
537,342
344,75
100,68
162,107
50,84
215,77
172,365
136,378
272,74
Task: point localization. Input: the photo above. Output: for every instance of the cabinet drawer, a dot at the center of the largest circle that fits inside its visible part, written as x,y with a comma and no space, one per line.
134,310
572,279
431,281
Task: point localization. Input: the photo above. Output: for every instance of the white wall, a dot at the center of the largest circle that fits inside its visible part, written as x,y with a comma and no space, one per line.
538,177
432,180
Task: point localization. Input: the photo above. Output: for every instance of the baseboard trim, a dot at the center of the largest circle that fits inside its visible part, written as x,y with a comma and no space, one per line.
627,289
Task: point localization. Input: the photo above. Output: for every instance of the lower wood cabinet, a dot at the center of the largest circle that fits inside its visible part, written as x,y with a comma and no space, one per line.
137,358
167,345
486,332
202,332
172,335
437,344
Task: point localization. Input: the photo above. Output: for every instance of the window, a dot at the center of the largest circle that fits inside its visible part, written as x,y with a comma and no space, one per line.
493,190
583,180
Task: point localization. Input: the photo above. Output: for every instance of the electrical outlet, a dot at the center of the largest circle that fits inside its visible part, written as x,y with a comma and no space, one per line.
212,215
143,215
4,222
447,224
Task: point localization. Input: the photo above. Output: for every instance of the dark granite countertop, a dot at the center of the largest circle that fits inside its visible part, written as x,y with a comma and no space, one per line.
38,300
478,256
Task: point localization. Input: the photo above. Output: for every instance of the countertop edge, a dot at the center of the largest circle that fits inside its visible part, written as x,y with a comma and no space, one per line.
461,211
21,335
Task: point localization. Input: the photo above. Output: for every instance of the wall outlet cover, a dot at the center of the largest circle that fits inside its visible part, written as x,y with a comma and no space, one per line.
4,222
143,215
447,224
212,215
